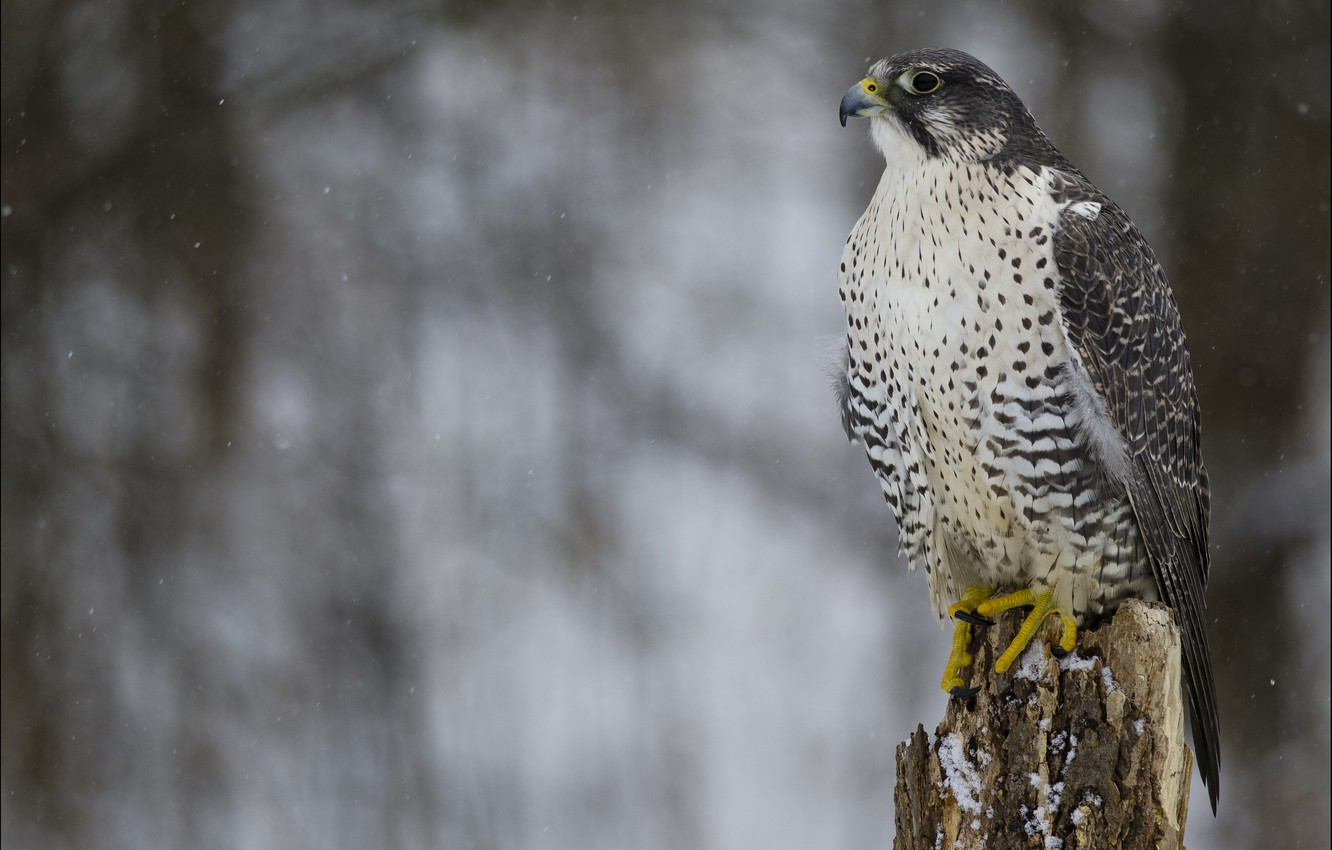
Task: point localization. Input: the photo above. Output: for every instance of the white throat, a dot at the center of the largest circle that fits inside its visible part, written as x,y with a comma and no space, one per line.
898,147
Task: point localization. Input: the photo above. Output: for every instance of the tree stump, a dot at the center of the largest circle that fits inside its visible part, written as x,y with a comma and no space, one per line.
1076,753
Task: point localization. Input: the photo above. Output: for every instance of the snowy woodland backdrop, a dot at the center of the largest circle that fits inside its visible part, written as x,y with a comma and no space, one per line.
416,434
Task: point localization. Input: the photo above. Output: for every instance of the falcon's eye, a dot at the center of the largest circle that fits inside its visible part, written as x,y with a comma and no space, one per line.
921,82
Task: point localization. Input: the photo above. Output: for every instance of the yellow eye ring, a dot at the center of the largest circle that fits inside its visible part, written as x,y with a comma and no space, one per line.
920,82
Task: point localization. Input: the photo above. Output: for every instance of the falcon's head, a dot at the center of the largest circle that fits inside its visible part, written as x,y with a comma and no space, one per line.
941,103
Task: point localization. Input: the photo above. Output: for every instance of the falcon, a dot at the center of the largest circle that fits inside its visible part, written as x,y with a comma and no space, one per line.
1017,373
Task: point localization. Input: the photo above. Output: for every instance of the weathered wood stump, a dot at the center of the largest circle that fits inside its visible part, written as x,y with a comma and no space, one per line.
1076,753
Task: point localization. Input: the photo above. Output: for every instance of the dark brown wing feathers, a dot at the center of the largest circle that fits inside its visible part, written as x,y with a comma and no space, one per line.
1120,315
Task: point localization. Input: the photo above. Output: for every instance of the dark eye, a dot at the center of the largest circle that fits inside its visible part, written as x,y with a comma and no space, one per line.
925,82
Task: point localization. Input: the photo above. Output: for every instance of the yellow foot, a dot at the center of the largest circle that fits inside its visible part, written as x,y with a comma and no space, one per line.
963,611
1042,606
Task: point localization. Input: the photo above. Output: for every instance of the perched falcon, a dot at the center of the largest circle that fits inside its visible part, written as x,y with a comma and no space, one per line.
1017,373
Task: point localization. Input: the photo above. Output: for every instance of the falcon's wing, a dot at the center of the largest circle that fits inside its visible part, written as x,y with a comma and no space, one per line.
1120,315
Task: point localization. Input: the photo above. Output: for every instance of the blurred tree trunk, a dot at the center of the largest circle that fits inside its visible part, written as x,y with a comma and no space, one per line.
1083,753
143,201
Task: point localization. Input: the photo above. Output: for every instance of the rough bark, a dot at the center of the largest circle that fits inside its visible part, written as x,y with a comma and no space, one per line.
1076,753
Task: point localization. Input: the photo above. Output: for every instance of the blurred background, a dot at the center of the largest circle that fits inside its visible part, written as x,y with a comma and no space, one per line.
416,431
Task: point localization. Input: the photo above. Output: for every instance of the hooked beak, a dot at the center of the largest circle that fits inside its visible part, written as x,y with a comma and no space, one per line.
863,100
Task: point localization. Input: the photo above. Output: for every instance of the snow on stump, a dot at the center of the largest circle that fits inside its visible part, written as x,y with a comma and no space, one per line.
1076,753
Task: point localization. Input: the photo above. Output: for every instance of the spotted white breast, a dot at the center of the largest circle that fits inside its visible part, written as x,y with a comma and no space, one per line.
988,447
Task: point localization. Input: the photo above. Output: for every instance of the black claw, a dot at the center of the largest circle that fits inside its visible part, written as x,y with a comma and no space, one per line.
974,619
1057,651
964,693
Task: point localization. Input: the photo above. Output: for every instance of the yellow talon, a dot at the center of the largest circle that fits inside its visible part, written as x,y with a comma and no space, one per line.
971,597
960,657
1042,606
1068,638
979,602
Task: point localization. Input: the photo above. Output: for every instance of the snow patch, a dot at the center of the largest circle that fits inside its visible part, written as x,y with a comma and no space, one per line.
1088,801
960,775
1032,664
1059,742
1073,661
1110,683
1038,824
